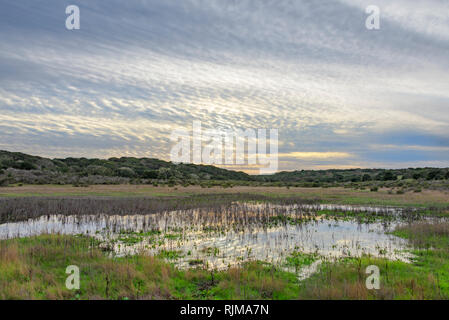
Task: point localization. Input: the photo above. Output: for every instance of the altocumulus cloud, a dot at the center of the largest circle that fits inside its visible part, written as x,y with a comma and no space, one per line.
341,95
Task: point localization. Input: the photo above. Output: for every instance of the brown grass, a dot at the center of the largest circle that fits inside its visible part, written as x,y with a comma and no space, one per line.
329,195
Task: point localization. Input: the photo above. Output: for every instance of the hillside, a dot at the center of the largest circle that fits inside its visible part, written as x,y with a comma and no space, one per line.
16,167
358,175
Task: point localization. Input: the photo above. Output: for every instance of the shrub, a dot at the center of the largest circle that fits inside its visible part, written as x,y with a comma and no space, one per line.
366,177
388,176
3,182
150,174
126,172
433,175
24,165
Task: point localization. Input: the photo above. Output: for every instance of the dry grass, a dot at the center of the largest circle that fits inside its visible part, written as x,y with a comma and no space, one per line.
19,209
330,195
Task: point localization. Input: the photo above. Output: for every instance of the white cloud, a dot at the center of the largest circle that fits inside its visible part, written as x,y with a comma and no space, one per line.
136,71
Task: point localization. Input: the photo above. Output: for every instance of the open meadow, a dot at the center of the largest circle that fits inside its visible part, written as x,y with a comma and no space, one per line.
340,195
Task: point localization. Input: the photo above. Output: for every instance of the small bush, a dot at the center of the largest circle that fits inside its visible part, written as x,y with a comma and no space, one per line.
3,182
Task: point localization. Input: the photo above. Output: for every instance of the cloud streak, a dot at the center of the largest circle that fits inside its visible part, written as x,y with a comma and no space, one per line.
135,71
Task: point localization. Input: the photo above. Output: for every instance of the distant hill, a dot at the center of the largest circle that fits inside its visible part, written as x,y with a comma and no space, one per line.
358,175
20,167
16,167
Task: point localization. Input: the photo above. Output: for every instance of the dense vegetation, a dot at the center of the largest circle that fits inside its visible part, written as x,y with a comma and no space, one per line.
358,175
22,168
18,167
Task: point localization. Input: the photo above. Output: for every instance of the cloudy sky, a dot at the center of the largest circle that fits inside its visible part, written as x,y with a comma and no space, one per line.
341,95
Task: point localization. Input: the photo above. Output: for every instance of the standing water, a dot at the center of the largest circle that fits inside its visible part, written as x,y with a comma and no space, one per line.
226,236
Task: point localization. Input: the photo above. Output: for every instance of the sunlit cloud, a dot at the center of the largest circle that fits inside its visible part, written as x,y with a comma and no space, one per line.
340,95
315,155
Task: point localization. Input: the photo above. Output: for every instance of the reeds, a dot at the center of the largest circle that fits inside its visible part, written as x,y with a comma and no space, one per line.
426,234
24,208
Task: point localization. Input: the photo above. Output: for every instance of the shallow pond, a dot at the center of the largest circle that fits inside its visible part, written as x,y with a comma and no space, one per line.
222,237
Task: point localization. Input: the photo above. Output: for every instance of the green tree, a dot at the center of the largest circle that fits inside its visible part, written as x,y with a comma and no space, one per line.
366,177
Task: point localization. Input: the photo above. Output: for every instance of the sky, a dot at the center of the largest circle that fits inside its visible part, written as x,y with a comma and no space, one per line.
341,96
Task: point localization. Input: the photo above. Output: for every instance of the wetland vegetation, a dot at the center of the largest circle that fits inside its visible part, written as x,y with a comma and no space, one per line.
34,268
220,246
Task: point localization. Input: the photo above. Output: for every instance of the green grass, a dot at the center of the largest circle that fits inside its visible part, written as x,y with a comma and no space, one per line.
357,197
34,268
427,277
298,259
170,254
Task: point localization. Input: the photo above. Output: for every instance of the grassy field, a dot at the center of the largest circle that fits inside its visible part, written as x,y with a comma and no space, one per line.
34,268
425,198
427,277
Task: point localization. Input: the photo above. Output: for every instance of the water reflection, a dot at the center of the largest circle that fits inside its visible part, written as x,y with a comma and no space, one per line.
227,236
